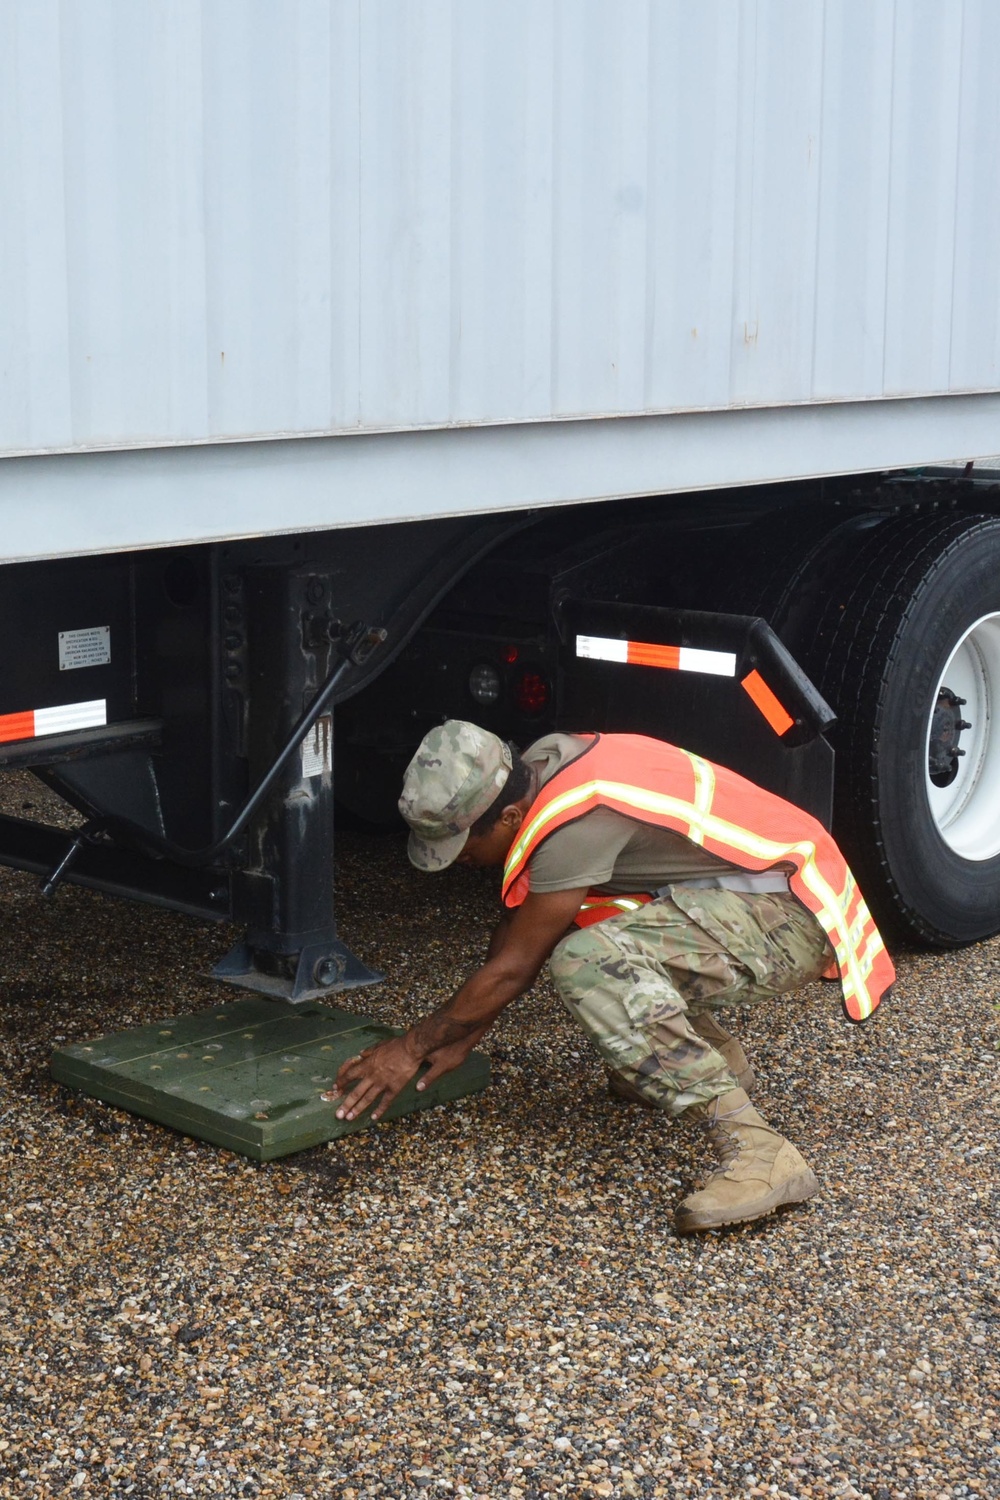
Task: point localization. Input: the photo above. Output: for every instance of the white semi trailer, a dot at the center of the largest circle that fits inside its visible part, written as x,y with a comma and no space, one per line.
366,361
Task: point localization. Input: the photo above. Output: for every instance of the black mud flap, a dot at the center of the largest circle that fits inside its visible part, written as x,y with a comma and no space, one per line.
722,686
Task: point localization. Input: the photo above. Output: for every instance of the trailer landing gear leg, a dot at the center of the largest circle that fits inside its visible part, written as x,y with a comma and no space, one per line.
247,1074
285,893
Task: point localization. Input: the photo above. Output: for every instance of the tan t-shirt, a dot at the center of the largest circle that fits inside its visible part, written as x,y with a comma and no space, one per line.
607,850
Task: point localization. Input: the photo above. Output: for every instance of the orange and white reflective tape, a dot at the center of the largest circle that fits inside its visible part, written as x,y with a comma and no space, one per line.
648,654
687,659
766,700
35,722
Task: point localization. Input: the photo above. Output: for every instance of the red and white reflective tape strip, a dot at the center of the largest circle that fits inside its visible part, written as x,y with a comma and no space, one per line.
646,654
35,722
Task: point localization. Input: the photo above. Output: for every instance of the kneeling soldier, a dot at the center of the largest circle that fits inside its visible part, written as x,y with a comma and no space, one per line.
660,887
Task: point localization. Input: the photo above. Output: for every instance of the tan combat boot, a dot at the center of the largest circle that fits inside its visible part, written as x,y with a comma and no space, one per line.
709,1029
760,1170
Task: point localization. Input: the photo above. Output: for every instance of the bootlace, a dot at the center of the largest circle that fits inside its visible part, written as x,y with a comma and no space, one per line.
727,1144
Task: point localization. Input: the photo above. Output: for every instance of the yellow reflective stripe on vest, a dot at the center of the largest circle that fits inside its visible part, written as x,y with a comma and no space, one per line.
657,802
854,969
870,952
704,791
622,903
831,916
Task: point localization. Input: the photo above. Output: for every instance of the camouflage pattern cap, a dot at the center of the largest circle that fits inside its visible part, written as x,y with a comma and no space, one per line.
458,772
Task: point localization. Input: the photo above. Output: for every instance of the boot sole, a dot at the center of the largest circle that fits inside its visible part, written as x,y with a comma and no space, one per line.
795,1190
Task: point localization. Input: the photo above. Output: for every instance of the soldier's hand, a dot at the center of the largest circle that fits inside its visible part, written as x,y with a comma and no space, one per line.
443,1059
373,1078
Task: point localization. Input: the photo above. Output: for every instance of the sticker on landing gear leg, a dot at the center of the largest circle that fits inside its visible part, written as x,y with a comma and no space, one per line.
317,759
84,648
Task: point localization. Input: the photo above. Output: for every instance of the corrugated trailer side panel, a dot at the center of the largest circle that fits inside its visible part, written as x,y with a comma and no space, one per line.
224,220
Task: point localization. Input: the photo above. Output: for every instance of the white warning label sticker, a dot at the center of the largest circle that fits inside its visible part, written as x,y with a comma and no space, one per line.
84,648
317,759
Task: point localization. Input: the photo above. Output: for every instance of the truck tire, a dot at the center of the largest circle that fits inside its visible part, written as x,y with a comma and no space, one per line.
906,648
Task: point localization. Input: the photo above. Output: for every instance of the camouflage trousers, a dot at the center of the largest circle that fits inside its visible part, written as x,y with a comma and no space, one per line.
632,981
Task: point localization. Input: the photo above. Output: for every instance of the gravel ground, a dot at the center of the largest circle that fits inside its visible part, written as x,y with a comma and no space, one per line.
488,1299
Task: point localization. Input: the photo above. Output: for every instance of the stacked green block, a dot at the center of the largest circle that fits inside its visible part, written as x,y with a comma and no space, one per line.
248,1076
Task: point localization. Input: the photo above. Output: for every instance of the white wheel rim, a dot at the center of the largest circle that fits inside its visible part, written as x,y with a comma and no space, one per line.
967,813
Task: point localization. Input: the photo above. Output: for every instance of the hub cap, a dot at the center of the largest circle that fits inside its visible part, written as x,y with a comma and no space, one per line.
963,745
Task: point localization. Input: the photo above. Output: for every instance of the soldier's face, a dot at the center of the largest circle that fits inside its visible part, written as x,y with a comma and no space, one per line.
487,849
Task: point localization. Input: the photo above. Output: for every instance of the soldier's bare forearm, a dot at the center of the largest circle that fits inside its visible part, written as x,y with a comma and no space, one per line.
499,935
448,1034
470,1012
441,1030
521,943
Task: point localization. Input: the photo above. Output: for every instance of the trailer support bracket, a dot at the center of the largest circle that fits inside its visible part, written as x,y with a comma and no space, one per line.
316,970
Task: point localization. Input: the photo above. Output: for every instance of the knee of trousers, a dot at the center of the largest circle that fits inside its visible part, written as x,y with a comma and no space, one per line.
578,949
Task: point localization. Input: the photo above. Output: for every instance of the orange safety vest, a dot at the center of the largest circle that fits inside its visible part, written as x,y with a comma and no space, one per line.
725,814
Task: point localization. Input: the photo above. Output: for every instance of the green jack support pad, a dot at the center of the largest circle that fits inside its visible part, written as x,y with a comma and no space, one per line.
247,1076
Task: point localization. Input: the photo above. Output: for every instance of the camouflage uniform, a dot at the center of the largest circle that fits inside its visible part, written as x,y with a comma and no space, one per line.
631,980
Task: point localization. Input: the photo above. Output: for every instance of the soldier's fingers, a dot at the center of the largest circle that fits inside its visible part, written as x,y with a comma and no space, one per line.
442,1063
388,1095
359,1099
434,1071
347,1071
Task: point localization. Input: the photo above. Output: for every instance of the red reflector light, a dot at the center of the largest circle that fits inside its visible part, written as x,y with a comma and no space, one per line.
509,654
531,692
